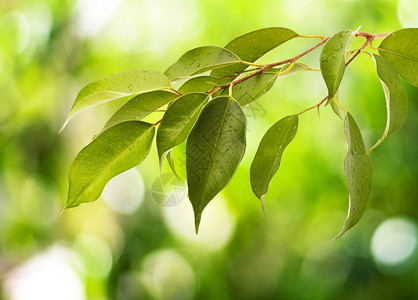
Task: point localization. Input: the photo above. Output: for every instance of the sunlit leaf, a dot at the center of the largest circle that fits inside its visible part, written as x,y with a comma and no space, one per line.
253,88
178,121
400,49
396,98
214,150
199,60
198,84
358,172
120,85
114,151
253,45
332,60
336,108
269,154
141,106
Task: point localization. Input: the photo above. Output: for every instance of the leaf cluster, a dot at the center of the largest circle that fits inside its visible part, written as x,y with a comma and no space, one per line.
207,112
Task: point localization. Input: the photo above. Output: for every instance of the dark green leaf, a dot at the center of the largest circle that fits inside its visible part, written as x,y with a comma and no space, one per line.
141,106
199,60
253,45
400,49
114,151
214,150
120,85
396,98
178,121
198,84
269,154
358,172
332,60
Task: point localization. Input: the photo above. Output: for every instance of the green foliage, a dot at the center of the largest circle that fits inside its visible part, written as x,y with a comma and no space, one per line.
358,172
114,151
207,112
401,50
332,60
269,154
214,150
123,85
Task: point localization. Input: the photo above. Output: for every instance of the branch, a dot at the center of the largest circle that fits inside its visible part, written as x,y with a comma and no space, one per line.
269,66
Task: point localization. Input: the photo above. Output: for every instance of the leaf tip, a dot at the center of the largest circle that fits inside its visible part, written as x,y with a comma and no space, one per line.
197,217
263,208
64,125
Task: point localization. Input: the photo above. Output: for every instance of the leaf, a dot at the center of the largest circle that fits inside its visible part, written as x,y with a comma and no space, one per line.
178,121
269,154
214,150
114,151
141,106
253,88
199,60
124,85
400,49
253,45
332,60
198,84
358,172
396,98
336,108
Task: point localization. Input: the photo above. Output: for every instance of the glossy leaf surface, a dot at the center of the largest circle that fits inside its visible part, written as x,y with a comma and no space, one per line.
114,151
359,174
178,121
120,85
269,153
199,60
332,60
198,84
214,150
141,106
400,49
396,98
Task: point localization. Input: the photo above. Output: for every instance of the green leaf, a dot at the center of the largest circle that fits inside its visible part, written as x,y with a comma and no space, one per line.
396,98
358,172
114,151
252,46
332,60
400,49
141,106
269,154
336,109
198,84
124,85
214,150
199,60
253,88
178,121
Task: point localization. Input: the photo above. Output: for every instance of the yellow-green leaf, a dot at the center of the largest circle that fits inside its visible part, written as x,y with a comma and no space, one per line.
199,60
332,60
124,85
199,84
214,150
269,154
141,106
178,121
114,151
400,49
252,46
358,172
396,98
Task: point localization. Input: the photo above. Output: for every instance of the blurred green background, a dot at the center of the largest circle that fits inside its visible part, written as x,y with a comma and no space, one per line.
128,245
